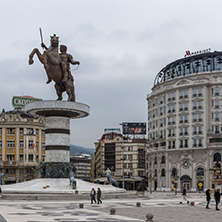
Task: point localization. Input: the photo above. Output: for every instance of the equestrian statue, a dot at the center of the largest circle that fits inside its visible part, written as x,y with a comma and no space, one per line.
57,66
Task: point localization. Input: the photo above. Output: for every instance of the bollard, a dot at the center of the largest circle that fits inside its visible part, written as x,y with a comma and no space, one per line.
112,211
138,204
192,203
76,192
81,205
149,217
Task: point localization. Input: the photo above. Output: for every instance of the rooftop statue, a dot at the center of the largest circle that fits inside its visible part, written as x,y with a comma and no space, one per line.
57,66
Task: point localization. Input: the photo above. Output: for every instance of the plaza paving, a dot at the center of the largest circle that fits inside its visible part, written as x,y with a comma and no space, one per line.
163,205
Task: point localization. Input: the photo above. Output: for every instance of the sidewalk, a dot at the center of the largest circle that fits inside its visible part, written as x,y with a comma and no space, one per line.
163,205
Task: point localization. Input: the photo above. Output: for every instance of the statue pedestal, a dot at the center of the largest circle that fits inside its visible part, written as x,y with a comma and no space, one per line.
57,133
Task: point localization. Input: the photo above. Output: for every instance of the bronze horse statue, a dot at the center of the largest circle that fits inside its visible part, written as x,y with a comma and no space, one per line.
53,67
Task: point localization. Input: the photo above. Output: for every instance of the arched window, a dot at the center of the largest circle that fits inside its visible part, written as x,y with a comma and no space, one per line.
155,160
200,171
163,173
217,157
155,172
163,159
174,172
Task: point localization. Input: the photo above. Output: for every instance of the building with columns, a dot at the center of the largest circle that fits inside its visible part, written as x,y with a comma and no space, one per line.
185,123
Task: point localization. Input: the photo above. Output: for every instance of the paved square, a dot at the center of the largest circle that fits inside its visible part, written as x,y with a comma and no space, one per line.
164,206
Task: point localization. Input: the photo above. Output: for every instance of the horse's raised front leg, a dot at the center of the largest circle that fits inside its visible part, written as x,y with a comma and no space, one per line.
39,55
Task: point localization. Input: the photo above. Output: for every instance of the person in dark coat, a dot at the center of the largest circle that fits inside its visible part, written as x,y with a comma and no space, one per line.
217,195
184,195
208,197
99,193
93,195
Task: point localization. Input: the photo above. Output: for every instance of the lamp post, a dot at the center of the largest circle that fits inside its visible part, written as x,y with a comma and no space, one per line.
122,147
123,165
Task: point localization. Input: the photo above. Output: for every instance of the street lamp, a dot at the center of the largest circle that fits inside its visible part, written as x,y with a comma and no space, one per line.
123,165
122,147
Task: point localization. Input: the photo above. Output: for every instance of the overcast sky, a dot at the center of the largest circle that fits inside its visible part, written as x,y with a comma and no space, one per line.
121,45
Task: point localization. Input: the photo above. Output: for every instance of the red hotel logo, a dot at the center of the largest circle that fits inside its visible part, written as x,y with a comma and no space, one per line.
188,53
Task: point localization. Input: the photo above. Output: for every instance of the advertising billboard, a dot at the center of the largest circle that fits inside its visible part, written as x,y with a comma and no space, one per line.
134,128
21,101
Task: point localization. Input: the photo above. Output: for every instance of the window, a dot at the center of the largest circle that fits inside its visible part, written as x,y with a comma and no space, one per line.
31,144
21,144
194,142
10,157
0,131
130,165
163,173
11,131
30,157
194,130
216,116
163,159
130,148
216,104
216,91
10,144
195,105
43,145
217,129
197,92
21,157
130,157
0,144
184,143
200,142
174,172
217,157
37,144
30,131
21,131
200,171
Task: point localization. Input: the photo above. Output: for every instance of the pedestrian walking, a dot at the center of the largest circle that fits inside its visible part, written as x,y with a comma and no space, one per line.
208,198
217,195
99,193
184,196
93,196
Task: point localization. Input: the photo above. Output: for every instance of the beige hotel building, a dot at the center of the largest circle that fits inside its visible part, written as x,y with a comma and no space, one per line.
185,123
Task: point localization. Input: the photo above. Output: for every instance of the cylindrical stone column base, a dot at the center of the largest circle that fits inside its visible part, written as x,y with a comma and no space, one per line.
56,170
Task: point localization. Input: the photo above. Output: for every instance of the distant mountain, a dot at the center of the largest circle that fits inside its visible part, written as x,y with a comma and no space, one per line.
79,149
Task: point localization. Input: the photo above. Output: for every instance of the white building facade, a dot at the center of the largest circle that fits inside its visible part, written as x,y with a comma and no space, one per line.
185,123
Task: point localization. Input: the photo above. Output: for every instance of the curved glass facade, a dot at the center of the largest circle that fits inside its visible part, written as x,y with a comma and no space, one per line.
206,62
